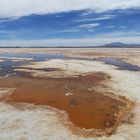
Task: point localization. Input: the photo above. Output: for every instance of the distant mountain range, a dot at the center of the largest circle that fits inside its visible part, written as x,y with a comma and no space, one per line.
121,45
109,45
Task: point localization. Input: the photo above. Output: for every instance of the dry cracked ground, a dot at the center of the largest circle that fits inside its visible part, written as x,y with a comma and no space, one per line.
69,94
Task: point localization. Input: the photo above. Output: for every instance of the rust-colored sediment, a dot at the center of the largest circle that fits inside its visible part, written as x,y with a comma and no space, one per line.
86,108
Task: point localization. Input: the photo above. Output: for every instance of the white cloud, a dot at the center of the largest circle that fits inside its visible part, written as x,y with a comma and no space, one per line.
18,8
92,25
7,19
103,17
118,34
68,31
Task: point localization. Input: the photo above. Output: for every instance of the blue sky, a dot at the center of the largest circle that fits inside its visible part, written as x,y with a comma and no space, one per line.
82,26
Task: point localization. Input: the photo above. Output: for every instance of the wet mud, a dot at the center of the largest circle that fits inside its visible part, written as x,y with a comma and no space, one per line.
86,107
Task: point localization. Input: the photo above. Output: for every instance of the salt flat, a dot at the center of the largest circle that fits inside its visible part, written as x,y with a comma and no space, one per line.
28,121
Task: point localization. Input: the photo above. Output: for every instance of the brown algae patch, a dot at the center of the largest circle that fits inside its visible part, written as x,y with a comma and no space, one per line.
97,113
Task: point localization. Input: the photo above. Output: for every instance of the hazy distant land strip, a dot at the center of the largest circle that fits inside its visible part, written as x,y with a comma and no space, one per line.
110,45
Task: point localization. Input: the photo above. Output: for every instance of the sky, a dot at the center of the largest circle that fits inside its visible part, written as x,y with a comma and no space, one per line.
69,22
